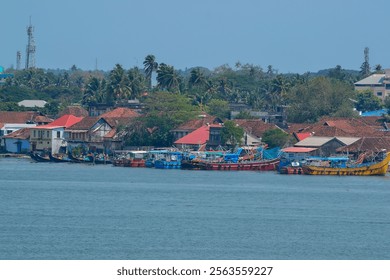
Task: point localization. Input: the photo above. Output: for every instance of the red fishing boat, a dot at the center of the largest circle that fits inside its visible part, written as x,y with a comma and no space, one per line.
262,165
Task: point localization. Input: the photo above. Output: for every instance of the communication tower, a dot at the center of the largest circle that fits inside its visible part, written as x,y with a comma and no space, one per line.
30,50
18,59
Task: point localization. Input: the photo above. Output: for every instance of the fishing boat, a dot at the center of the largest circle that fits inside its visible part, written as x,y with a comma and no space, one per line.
170,160
39,158
59,158
293,158
130,159
294,167
343,166
241,159
261,165
153,156
91,159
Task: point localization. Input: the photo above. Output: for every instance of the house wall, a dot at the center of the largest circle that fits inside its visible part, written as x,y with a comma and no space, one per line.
92,139
40,139
330,148
11,145
47,139
99,130
8,128
380,91
57,140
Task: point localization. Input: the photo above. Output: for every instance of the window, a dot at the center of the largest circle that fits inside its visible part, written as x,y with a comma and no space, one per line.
35,134
58,134
379,93
47,134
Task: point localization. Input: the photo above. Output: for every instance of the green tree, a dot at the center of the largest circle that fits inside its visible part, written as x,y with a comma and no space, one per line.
164,111
118,85
92,91
219,108
150,66
167,78
136,82
321,96
275,138
366,101
337,73
198,79
51,108
387,103
231,134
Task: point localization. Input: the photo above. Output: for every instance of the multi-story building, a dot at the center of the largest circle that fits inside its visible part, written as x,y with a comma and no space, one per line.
50,137
379,84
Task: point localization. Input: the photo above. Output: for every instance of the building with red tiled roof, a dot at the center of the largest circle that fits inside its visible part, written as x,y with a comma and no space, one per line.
370,145
194,139
344,127
204,135
99,133
13,121
301,135
89,133
120,113
17,117
192,125
51,136
74,110
64,121
255,127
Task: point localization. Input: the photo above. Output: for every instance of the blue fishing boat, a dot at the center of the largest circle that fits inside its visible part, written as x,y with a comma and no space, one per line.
169,160
154,155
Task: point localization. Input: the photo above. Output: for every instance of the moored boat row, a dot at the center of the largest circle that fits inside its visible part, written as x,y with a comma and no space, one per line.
241,159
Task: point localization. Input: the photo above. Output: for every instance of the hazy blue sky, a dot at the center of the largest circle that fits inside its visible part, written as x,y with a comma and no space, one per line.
291,35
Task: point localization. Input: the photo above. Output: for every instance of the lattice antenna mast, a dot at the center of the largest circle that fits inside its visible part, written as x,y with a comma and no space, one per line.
30,50
18,59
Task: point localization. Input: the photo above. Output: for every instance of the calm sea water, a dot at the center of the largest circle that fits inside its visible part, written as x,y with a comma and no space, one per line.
74,211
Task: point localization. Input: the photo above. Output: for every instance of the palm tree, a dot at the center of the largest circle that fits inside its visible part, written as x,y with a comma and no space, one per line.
136,82
91,91
118,87
198,79
150,66
168,78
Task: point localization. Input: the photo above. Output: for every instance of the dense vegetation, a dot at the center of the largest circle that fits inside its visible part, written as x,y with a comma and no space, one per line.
175,96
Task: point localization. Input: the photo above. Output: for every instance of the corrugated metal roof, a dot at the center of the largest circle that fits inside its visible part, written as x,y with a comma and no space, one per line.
348,140
32,103
375,79
313,141
317,141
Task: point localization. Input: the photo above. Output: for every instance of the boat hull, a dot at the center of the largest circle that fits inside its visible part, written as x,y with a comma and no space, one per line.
291,170
129,163
379,168
162,164
269,165
38,158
